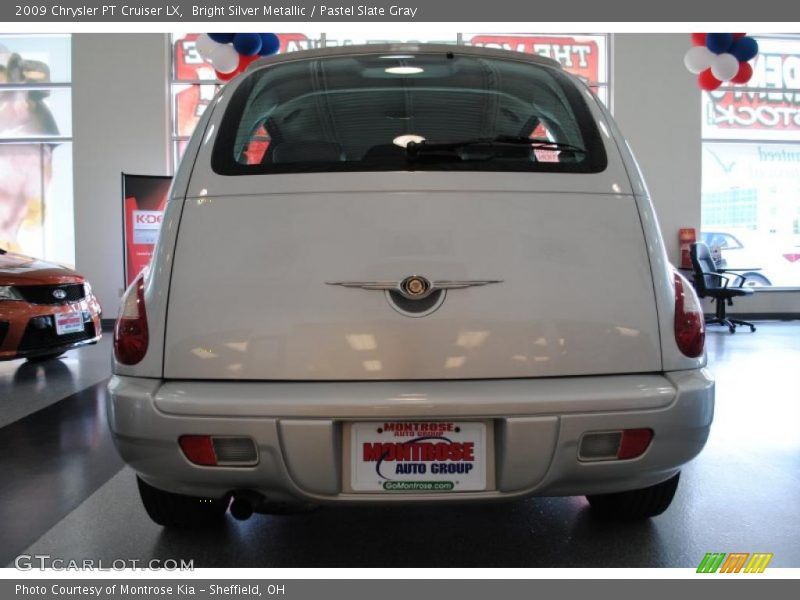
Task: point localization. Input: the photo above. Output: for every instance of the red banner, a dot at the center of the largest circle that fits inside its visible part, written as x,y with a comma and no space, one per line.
579,57
144,200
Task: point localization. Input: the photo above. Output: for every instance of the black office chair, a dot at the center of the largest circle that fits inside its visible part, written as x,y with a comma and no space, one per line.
713,283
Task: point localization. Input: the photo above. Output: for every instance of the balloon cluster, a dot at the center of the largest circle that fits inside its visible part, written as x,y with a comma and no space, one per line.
230,53
718,57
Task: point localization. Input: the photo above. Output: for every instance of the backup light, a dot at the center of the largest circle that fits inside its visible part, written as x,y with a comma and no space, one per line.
219,451
614,445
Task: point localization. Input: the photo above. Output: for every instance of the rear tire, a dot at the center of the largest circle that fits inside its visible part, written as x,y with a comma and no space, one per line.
636,504
178,511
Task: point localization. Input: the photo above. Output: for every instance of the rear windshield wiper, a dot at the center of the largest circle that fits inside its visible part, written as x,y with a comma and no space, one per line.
414,149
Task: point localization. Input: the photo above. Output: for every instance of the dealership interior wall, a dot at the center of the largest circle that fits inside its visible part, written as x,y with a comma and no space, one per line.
654,100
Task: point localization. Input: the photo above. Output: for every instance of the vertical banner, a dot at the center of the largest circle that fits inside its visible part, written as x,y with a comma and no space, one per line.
144,198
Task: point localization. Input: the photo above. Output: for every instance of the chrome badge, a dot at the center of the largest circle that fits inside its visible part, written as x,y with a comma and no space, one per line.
59,294
415,295
415,287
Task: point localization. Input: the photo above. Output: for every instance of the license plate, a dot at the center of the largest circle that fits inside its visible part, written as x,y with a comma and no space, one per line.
418,456
69,323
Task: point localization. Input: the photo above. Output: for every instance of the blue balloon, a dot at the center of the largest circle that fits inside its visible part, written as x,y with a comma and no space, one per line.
719,43
221,38
247,44
744,49
270,44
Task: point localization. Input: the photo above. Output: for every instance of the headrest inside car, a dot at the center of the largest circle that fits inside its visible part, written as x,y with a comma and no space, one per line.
314,151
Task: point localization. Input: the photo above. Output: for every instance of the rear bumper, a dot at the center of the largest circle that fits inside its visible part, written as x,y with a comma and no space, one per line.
298,429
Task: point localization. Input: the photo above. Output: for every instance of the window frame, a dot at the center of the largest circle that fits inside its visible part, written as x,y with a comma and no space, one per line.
323,38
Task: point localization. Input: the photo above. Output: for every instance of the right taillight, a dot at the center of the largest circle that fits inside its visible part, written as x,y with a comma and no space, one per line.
130,332
690,330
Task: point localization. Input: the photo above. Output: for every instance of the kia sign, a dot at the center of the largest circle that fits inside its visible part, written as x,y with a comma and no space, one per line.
146,224
144,199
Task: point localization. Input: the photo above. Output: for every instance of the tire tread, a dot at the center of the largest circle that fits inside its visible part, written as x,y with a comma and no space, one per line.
636,504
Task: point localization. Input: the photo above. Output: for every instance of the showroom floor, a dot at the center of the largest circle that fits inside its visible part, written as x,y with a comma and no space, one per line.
67,494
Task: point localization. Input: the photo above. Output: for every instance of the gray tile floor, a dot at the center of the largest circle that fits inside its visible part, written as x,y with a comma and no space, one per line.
26,387
740,495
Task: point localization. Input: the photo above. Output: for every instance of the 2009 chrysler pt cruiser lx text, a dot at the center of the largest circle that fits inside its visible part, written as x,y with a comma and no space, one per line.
407,273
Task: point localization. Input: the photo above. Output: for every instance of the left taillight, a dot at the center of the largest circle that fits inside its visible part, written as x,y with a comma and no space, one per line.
130,332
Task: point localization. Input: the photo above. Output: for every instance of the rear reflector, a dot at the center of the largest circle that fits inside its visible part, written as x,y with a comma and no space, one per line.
219,451
614,445
634,443
198,449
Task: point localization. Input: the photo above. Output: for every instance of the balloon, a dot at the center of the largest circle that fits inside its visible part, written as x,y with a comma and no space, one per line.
719,42
244,62
707,81
744,49
737,36
224,58
698,59
699,39
270,44
744,74
725,67
247,44
204,45
226,76
221,38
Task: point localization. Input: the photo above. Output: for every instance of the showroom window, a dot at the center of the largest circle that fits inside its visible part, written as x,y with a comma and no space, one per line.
193,83
36,216
585,56
751,168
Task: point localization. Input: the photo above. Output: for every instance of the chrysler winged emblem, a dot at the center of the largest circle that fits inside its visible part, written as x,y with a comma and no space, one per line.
415,287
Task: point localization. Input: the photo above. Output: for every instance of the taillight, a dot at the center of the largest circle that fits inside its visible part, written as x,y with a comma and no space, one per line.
130,331
690,329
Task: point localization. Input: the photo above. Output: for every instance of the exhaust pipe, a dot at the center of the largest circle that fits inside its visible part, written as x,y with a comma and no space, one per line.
241,509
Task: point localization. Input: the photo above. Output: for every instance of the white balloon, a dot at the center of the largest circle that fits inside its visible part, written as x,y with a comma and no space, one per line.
224,58
698,59
725,67
204,45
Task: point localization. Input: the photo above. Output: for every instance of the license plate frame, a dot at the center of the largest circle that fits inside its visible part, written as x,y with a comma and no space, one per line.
68,323
362,476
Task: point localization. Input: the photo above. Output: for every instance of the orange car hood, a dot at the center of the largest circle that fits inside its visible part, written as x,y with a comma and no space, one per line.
16,269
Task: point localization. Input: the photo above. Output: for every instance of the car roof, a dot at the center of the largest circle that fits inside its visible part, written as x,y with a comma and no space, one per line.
404,48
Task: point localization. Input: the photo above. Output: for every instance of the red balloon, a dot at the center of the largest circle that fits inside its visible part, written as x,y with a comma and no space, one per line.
744,74
226,76
699,39
707,81
244,61
736,36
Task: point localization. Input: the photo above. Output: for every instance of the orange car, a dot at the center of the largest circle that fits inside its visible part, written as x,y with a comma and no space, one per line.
45,309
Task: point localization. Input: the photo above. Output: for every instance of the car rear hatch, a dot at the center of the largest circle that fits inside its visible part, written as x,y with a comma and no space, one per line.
251,295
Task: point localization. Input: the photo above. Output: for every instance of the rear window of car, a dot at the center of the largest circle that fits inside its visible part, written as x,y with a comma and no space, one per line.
395,112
